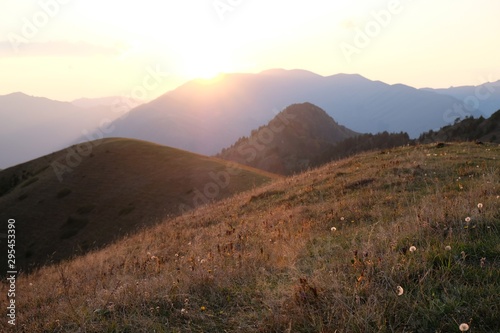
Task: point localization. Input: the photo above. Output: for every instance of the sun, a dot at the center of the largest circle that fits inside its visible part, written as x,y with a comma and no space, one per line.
205,66
205,61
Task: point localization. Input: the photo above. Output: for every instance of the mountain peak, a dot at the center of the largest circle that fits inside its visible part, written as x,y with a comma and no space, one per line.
290,141
17,94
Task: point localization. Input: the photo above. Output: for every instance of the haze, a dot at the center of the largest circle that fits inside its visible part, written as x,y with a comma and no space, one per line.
70,49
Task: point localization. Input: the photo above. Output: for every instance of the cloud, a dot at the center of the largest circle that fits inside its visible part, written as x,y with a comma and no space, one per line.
58,49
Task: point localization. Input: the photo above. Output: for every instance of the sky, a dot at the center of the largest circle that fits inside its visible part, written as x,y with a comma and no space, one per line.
68,49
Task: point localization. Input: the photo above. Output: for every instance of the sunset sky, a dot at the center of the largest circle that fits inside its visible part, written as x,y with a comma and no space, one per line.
67,49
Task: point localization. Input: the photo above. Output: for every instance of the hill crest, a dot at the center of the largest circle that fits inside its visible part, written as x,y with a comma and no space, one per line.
290,141
85,197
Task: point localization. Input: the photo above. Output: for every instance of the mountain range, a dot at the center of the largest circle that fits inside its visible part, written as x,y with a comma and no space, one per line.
205,116
31,127
484,97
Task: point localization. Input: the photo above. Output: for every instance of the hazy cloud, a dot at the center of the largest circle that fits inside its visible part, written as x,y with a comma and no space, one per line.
59,49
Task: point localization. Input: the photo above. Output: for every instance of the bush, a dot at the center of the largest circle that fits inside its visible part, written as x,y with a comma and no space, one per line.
63,193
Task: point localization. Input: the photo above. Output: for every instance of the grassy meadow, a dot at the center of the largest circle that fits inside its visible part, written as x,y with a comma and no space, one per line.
402,240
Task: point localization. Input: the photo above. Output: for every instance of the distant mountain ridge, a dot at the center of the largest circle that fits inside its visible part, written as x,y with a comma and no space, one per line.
205,116
31,127
290,141
484,97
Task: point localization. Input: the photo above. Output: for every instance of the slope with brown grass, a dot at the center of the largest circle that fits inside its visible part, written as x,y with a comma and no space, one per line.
87,196
400,241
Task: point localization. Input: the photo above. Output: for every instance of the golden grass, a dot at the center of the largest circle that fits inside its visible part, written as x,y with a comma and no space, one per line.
324,251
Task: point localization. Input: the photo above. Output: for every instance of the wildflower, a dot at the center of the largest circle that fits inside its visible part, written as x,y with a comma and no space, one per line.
413,248
447,248
333,229
400,291
482,261
467,219
203,308
480,205
184,311
463,327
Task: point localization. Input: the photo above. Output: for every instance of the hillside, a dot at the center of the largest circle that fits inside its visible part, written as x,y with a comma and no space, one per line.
469,129
119,186
400,241
206,116
290,141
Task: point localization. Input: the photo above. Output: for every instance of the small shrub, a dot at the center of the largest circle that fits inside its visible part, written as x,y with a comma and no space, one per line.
126,210
63,193
29,182
72,226
85,209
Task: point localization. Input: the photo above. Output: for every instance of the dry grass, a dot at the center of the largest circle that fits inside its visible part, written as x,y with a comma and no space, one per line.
269,260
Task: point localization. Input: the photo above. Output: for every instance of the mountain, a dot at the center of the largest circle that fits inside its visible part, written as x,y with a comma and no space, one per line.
115,104
31,127
205,116
469,129
290,141
87,196
484,97
406,241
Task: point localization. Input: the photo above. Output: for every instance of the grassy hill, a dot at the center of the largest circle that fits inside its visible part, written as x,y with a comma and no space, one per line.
290,142
81,198
401,241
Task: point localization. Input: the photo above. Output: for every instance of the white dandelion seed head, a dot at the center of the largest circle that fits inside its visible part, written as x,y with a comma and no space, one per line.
447,248
467,219
333,229
399,290
463,327
413,248
342,218
479,205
